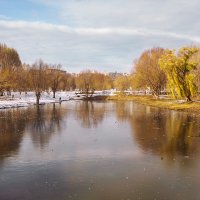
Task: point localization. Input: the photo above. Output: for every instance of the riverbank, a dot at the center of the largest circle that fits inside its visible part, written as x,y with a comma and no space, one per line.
179,105
24,100
16,100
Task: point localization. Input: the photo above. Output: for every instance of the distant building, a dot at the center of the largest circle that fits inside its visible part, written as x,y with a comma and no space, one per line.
114,75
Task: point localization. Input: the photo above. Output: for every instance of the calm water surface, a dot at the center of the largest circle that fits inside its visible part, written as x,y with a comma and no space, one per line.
99,151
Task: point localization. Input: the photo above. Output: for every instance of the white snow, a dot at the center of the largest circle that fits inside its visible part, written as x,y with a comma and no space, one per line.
24,100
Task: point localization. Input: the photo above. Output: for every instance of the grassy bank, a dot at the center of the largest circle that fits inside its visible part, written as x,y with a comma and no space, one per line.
161,103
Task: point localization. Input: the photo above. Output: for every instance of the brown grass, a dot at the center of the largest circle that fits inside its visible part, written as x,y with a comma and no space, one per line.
172,104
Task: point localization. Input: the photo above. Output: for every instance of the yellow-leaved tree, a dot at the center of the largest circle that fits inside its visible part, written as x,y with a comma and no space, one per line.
179,70
10,64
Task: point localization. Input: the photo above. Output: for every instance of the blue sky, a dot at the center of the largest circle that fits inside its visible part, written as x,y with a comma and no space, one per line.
104,35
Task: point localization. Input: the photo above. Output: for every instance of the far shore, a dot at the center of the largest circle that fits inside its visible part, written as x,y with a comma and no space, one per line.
163,102
16,100
166,103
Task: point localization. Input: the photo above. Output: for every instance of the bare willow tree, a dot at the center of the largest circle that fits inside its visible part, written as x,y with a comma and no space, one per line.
10,64
148,73
123,82
55,78
9,58
22,80
90,81
85,82
38,78
102,81
68,81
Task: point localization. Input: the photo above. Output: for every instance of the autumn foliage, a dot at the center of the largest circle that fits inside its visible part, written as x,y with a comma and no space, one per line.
156,70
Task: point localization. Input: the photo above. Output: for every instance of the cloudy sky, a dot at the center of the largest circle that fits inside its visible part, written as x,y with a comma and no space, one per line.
105,35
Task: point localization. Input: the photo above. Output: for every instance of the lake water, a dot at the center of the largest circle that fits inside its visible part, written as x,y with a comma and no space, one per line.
99,151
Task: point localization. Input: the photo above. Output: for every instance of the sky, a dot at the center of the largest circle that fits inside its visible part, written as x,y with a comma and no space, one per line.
103,35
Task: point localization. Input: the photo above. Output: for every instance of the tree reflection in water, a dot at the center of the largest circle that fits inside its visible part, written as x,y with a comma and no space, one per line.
41,122
12,126
88,114
44,123
168,134
180,129
165,133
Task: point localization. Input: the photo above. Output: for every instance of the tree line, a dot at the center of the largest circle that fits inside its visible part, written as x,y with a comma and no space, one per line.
156,70
41,76
177,72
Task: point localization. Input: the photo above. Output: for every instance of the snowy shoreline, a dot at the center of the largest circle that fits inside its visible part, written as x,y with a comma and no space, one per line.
24,100
16,100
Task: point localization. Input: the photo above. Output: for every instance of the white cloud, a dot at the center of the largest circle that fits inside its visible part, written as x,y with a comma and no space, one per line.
180,16
95,31
103,35
105,49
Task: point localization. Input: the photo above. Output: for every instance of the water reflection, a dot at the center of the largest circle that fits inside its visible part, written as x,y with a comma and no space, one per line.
126,158
12,126
44,123
88,114
161,132
41,122
168,134
180,129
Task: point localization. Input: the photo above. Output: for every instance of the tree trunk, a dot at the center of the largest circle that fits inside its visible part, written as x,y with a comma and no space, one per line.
54,94
92,92
9,93
37,98
87,93
156,94
188,98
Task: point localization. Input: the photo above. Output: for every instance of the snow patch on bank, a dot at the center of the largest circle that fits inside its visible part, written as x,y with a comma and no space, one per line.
16,99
